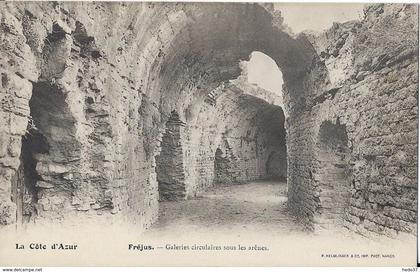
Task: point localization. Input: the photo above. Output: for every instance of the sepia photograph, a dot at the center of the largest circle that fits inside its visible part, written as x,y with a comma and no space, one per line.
161,134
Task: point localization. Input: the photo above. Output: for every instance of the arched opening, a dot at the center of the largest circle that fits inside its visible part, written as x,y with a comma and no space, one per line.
263,71
262,78
225,164
231,132
236,138
276,165
202,77
170,172
333,175
252,145
44,183
24,188
273,144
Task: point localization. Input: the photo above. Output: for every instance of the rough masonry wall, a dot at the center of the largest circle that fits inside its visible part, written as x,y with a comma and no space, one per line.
55,39
332,174
372,90
235,121
118,88
256,139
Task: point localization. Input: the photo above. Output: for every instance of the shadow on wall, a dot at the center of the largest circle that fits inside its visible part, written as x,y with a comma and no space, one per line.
225,165
332,175
44,184
24,185
276,165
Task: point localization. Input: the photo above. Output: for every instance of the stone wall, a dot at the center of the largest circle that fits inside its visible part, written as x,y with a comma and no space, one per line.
372,90
276,165
236,123
331,175
118,88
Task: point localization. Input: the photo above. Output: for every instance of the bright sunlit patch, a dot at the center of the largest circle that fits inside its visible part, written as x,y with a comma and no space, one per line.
264,72
318,16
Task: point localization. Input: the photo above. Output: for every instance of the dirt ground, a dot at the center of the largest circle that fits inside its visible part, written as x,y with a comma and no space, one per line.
239,209
236,225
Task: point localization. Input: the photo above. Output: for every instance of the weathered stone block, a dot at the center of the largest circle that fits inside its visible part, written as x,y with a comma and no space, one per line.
7,212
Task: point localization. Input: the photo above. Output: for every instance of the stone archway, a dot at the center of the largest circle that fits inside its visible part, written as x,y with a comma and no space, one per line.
50,151
247,131
189,50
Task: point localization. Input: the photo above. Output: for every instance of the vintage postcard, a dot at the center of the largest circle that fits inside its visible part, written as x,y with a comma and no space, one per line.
208,134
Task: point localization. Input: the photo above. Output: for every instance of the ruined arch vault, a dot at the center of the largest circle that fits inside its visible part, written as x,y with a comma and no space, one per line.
122,68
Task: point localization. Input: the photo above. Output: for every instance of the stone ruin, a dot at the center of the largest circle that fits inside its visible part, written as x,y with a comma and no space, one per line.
108,107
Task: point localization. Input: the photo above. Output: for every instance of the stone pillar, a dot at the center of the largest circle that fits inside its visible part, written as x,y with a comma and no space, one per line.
170,162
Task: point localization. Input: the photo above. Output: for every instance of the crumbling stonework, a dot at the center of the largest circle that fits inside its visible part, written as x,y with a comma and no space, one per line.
372,90
88,88
225,165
